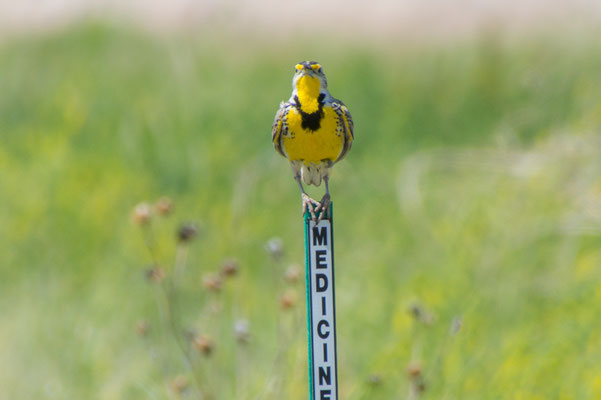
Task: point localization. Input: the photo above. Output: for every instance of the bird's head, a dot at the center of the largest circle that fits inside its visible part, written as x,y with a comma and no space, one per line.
309,73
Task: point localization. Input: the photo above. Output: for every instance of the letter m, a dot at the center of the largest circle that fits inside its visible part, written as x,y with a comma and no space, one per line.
320,237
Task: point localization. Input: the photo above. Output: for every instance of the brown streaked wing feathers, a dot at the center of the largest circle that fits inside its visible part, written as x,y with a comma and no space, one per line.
348,126
278,127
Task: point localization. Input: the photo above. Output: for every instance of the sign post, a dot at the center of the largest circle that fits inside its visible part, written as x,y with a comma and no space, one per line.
321,308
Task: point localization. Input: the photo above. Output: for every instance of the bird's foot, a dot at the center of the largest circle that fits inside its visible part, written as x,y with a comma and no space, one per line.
324,207
310,204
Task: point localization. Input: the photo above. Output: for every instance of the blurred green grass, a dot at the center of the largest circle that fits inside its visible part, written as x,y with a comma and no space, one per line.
472,193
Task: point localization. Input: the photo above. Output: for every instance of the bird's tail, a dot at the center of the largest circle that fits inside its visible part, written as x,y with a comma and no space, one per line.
312,174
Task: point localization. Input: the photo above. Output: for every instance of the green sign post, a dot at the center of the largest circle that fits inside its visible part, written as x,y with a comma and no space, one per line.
321,308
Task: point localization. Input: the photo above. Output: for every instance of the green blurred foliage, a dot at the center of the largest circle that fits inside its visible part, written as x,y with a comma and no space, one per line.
472,194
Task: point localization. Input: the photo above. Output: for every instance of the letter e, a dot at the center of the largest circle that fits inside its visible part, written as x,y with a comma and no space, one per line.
320,259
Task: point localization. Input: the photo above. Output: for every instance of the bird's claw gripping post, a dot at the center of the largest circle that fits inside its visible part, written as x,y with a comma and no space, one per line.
324,207
317,210
309,204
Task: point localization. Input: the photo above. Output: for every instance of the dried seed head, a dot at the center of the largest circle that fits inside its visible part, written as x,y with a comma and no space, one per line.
186,232
288,300
292,274
456,325
416,379
242,331
142,327
275,248
374,379
164,206
179,385
421,314
415,310
414,370
213,283
203,344
155,274
141,214
229,268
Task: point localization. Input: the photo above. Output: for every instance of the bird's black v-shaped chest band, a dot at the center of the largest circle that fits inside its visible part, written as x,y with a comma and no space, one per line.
311,121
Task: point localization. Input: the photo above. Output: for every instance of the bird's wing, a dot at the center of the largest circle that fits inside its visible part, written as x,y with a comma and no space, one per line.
280,127
345,123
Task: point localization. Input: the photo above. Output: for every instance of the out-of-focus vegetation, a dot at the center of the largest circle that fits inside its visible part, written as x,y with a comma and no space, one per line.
468,219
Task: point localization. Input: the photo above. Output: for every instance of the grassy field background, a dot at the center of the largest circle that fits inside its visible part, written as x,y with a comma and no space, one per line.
468,218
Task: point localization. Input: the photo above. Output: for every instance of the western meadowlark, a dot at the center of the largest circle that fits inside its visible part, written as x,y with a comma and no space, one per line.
313,131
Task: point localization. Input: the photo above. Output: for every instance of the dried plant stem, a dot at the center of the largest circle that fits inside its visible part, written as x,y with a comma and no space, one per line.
274,385
181,257
165,306
149,242
175,331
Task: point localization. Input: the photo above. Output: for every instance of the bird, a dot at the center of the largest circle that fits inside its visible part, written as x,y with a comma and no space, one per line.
314,131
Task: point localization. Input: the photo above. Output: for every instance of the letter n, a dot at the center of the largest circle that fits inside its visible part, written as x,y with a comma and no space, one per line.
325,376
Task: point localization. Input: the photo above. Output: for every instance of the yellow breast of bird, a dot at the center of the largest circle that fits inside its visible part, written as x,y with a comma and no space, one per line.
313,146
